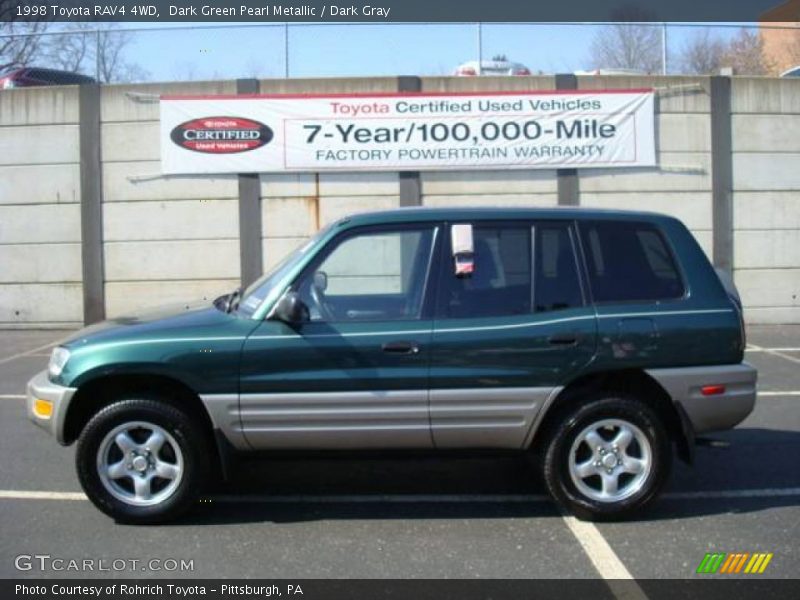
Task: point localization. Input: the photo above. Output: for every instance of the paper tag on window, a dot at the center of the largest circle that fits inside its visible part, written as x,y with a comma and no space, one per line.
465,265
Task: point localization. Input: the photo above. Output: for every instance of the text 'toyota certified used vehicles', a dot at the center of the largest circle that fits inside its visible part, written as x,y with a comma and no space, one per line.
600,341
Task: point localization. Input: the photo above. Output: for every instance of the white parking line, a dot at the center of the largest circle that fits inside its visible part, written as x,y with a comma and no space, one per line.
752,348
413,498
30,495
31,352
599,552
774,352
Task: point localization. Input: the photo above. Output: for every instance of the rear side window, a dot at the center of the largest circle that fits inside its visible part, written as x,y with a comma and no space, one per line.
629,261
500,284
556,285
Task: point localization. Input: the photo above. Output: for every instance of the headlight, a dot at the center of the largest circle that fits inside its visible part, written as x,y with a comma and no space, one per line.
58,359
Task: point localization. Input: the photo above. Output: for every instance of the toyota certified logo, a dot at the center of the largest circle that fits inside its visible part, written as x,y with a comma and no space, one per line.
221,135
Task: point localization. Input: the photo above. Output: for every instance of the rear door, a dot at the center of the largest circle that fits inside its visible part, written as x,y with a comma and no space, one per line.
507,336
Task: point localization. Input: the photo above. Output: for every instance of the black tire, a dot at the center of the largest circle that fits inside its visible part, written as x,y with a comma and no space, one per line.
186,432
559,446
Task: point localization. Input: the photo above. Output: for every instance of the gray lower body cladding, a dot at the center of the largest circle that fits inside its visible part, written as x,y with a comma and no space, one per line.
716,412
502,418
454,418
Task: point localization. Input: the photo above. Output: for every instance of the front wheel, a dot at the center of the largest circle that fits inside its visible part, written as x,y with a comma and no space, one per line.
607,458
140,461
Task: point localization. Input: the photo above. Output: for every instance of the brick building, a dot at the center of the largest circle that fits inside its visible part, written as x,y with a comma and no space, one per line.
780,31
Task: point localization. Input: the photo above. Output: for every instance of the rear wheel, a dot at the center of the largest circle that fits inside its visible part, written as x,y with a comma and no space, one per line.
140,461
607,458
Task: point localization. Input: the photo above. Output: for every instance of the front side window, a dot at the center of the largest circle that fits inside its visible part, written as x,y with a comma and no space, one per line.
258,291
378,275
500,283
628,262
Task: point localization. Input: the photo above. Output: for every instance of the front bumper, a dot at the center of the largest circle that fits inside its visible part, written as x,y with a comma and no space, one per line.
56,396
716,412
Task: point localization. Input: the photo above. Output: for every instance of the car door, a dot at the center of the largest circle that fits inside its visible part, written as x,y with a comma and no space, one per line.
508,335
356,374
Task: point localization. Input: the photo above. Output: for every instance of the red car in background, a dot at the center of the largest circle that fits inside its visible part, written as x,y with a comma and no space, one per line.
35,76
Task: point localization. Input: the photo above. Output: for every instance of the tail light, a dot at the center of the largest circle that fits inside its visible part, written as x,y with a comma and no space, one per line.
712,390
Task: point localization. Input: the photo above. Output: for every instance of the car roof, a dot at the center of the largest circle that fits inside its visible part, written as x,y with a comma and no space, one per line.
492,64
33,71
423,214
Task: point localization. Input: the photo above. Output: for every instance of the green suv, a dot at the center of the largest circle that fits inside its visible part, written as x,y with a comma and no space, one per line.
596,340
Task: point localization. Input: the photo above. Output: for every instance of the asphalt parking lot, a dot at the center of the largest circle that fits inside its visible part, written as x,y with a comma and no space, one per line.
426,517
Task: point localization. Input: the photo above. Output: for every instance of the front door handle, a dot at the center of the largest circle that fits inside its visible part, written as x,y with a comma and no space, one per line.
401,348
564,339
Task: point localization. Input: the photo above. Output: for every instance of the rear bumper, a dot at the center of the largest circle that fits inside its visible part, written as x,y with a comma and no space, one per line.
58,397
717,412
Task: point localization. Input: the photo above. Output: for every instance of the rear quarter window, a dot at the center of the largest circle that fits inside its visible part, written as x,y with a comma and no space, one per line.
628,262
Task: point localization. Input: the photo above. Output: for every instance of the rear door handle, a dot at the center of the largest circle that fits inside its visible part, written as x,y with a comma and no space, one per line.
401,348
564,339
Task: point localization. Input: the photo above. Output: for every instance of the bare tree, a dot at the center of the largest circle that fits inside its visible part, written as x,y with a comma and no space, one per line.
745,54
79,49
71,50
109,54
705,54
131,73
629,43
23,42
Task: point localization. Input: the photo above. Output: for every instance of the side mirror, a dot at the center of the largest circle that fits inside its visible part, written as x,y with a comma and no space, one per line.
463,248
290,309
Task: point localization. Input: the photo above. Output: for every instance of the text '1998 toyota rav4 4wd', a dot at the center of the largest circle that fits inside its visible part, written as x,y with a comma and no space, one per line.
597,340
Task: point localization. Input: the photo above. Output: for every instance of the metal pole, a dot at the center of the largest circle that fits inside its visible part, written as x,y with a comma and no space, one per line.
480,48
286,50
97,56
663,48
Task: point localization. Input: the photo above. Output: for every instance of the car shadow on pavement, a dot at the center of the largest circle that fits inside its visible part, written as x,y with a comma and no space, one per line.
318,487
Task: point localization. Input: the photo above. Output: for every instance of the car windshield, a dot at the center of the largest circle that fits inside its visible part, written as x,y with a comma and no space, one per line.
258,291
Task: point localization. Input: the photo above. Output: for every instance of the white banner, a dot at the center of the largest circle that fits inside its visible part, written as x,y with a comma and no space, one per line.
407,132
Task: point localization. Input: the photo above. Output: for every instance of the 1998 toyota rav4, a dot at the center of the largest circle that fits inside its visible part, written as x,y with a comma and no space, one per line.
597,340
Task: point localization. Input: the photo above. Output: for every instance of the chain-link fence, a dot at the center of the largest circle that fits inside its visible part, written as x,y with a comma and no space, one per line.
197,52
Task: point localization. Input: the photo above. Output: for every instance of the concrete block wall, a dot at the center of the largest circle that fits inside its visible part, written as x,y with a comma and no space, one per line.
681,183
524,187
765,125
165,239
40,231
295,206
176,239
